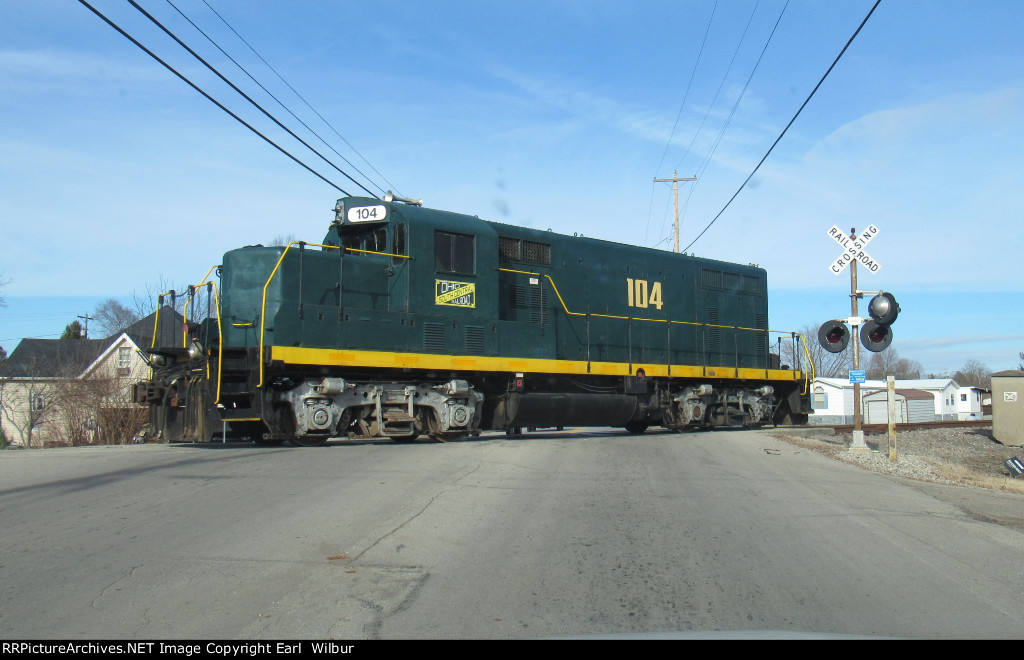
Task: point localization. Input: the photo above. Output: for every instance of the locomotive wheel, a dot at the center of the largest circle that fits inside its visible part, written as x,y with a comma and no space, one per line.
309,440
636,428
446,437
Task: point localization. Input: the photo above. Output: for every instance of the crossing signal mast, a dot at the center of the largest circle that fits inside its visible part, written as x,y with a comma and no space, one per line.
876,332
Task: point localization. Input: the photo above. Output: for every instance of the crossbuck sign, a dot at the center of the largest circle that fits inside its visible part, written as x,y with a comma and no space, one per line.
853,249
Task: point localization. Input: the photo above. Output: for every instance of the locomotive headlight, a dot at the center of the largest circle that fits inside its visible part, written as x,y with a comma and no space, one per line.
195,349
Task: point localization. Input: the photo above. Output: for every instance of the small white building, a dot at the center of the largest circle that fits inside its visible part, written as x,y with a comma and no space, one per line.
832,400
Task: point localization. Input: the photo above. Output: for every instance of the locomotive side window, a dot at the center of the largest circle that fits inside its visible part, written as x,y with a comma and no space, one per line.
454,253
398,240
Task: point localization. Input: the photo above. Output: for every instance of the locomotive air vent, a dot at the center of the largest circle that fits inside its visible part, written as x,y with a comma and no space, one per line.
475,340
433,337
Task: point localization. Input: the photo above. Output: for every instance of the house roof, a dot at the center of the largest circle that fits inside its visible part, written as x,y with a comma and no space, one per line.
916,383
69,358
52,358
909,394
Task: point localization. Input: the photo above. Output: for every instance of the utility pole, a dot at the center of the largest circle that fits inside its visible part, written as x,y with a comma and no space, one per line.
87,318
675,200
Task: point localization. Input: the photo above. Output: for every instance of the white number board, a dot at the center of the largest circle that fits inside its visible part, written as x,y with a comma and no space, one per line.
367,213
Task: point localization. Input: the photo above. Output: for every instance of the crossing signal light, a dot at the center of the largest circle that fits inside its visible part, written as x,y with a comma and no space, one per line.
834,336
876,334
884,309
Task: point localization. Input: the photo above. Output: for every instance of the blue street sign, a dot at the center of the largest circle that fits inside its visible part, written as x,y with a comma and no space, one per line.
857,376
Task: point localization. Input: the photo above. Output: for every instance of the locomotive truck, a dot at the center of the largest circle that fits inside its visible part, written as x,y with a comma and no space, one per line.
406,320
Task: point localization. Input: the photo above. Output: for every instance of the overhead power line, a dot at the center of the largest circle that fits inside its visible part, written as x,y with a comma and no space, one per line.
711,105
802,106
686,94
303,99
211,99
244,95
271,94
721,134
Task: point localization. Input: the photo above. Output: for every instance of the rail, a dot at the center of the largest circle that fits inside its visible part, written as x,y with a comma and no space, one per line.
838,429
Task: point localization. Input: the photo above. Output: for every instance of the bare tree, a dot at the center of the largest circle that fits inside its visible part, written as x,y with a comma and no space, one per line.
974,373
29,403
113,317
145,302
3,283
889,363
282,240
96,409
45,405
826,364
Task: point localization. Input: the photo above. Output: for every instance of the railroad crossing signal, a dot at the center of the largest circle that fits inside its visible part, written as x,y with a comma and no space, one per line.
853,249
875,333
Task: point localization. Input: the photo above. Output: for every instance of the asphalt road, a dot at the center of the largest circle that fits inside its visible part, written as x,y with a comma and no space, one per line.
585,533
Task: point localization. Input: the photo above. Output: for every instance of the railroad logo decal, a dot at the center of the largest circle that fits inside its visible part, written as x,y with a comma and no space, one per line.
454,294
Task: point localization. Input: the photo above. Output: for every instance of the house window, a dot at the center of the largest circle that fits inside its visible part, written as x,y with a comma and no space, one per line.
38,402
820,401
963,397
124,357
454,253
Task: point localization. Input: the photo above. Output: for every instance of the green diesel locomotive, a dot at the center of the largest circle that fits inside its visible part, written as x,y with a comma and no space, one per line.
406,321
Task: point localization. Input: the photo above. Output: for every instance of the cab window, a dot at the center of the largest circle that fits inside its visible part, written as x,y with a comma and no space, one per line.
370,239
454,253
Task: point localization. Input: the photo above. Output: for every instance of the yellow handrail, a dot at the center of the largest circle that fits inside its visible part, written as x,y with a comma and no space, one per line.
156,316
220,333
635,318
566,309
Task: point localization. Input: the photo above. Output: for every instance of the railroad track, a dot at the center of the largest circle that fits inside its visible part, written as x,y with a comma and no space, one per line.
914,426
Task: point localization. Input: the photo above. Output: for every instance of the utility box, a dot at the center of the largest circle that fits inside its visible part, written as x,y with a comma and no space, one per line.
1008,407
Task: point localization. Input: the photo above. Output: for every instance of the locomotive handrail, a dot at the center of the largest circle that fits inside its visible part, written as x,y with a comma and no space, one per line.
263,305
634,318
383,254
810,363
566,309
156,317
204,282
220,333
280,260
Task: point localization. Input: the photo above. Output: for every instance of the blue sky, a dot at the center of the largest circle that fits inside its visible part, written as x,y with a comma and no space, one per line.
554,114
